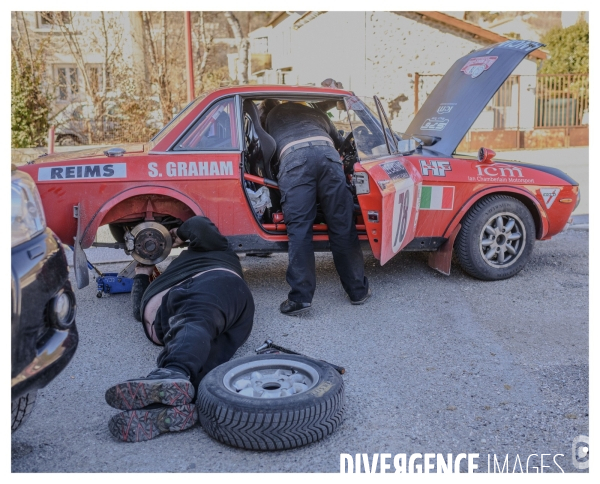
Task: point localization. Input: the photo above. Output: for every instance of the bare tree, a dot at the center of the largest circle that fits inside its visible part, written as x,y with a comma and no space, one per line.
95,80
243,47
163,32
206,42
30,93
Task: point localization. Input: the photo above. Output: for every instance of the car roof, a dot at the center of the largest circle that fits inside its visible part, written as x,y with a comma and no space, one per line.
259,88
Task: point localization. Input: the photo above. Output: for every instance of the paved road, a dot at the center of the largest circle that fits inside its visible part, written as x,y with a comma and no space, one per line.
435,364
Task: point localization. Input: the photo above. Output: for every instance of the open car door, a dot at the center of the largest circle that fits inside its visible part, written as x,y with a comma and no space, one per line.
390,206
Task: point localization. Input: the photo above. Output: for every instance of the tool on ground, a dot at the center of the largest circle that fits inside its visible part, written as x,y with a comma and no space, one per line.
268,347
117,283
111,283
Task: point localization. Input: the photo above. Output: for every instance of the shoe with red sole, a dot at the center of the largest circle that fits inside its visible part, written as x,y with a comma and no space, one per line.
163,386
148,423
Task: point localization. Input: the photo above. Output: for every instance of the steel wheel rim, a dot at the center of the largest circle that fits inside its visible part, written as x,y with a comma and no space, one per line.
271,378
502,240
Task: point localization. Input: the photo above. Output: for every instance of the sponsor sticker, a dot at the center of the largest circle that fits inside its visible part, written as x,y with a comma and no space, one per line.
434,167
191,168
78,172
435,124
526,45
401,215
498,173
475,66
395,170
437,198
445,108
549,195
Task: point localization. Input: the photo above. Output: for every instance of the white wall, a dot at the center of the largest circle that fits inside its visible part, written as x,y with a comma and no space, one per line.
378,53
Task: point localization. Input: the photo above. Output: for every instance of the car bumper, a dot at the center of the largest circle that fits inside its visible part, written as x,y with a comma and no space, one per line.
40,349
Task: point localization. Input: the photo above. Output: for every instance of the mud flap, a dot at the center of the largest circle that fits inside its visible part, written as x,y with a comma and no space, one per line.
441,260
80,262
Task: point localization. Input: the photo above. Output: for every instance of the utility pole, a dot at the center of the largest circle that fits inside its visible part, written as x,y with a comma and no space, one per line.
189,60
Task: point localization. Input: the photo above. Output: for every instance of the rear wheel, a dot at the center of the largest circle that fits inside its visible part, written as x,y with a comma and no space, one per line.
496,238
20,409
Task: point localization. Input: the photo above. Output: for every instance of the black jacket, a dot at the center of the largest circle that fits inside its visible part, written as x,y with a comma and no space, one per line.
208,249
290,121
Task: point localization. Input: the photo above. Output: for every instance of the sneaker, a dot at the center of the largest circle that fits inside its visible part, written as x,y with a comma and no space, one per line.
292,308
164,386
145,424
363,300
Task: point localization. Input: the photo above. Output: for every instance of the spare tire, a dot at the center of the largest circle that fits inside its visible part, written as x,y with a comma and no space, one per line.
271,402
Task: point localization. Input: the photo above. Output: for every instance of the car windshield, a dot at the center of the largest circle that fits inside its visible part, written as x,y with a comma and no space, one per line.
367,129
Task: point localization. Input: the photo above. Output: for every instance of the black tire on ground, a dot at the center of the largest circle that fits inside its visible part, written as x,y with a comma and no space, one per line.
496,238
20,409
283,422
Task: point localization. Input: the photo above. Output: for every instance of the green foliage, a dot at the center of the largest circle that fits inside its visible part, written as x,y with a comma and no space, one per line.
29,105
569,50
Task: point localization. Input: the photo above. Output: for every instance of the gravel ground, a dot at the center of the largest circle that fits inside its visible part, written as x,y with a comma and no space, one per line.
434,364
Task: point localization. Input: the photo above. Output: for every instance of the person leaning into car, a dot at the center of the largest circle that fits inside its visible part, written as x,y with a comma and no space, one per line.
201,310
310,169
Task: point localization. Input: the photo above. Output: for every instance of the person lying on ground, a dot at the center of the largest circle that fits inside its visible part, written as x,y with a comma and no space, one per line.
201,311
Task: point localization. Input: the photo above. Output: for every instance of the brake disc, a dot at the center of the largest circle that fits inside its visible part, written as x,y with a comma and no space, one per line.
152,243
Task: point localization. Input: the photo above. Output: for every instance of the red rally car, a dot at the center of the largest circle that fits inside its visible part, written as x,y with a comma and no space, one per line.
411,191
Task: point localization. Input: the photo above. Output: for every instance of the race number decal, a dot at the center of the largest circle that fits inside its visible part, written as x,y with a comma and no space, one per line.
402,210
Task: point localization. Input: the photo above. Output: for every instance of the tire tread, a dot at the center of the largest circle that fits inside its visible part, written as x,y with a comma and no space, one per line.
21,408
270,429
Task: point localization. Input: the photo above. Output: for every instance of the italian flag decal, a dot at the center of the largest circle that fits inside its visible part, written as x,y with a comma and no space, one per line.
437,198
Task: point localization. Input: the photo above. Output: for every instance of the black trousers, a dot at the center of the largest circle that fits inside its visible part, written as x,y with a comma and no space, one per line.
202,322
305,175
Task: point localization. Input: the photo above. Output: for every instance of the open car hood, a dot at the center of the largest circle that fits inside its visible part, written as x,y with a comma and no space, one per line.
464,91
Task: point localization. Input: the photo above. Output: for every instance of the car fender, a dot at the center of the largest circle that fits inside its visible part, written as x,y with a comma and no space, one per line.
97,219
540,218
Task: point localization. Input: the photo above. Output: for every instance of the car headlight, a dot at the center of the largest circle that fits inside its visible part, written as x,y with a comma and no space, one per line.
27,214
61,309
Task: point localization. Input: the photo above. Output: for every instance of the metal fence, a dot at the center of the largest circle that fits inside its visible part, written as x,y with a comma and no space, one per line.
562,100
527,111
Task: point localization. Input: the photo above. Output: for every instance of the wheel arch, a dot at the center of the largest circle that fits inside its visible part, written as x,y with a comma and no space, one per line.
540,219
139,200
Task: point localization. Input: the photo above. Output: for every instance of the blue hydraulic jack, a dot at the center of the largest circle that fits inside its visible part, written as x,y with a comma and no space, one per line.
112,283
116,282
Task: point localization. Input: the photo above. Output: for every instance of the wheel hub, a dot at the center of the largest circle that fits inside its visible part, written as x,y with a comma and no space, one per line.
271,379
502,239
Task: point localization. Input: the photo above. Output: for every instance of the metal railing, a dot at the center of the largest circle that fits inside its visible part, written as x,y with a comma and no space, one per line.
561,100
528,101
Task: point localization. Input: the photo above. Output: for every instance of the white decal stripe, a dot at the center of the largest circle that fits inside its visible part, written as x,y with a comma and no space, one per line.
79,172
436,198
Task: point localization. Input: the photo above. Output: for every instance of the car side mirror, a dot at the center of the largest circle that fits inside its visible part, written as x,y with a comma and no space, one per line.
407,145
485,155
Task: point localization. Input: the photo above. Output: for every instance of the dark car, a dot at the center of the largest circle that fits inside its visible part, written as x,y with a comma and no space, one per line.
43,331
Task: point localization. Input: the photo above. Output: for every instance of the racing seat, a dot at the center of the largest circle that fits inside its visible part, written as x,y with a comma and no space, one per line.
260,159
261,148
